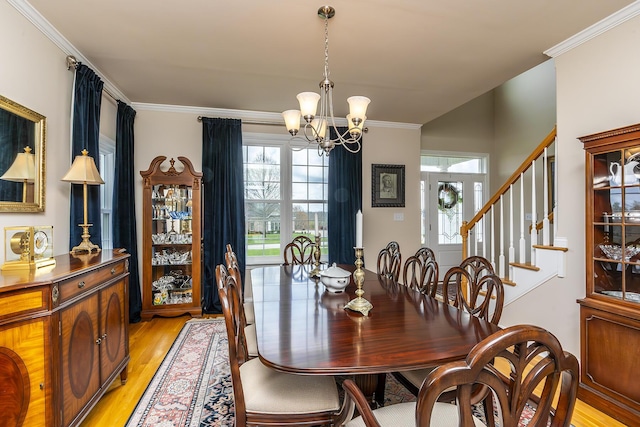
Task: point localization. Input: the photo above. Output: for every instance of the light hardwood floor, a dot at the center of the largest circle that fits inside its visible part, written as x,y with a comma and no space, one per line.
150,341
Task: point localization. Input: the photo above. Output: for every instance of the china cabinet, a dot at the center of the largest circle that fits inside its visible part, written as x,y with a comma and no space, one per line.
610,311
171,247
64,338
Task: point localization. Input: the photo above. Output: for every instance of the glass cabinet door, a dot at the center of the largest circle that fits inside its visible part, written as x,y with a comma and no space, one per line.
172,243
616,224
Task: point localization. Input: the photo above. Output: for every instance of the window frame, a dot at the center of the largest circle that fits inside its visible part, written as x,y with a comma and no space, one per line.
286,202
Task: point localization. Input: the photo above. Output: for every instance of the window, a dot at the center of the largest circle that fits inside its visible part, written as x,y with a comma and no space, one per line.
285,191
107,167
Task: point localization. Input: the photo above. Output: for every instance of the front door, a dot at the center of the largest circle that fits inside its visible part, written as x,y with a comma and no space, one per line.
450,199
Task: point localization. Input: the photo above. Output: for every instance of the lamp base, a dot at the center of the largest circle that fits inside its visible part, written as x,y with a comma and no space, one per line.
85,245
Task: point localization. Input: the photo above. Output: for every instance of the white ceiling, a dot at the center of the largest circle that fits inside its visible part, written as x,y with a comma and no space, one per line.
415,59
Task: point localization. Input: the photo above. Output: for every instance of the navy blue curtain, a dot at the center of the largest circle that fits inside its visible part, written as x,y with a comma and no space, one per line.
223,192
124,210
344,199
16,133
86,133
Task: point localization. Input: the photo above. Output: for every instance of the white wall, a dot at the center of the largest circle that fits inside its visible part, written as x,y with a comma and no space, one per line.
174,133
34,74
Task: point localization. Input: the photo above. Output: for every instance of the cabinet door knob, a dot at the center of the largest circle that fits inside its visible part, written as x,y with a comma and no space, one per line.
99,341
81,285
41,386
104,337
113,271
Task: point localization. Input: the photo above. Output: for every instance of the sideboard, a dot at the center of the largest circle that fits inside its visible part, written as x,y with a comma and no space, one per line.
63,338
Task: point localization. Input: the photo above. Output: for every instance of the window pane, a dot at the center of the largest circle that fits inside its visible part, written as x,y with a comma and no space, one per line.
299,191
315,192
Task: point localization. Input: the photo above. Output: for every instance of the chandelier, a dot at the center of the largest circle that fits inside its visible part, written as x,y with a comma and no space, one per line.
316,123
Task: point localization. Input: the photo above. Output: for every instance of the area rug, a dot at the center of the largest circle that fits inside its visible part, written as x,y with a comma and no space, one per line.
192,387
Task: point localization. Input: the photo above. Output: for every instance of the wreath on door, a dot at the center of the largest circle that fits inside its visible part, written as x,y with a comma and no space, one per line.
448,196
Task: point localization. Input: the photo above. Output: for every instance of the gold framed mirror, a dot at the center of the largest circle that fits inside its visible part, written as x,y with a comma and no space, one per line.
22,153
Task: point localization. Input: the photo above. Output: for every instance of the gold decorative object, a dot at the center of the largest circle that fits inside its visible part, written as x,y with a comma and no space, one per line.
28,247
84,171
316,257
359,304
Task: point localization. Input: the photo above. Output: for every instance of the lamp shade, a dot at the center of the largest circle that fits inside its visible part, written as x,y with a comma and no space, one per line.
319,128
308,103
292,120
23,168
355,129
358,106
83,170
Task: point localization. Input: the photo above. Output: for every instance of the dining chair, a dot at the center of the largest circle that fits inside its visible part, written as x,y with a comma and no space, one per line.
264,396
420,272
249,336
390,261
485,300
299,251
535,370
231,260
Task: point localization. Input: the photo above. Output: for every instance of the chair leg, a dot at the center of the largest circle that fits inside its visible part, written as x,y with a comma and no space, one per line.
379,395
488,410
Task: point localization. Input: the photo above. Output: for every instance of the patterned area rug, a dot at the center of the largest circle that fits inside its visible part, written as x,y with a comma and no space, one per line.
193,387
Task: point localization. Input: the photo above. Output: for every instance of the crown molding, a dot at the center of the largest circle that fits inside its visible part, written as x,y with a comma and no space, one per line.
45,27
254,117
612,21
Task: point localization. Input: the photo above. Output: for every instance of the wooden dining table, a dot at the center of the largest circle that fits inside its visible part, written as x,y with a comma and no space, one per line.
301,328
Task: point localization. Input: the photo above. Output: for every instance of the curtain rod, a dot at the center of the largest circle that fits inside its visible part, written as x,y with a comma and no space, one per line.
254,122
72,62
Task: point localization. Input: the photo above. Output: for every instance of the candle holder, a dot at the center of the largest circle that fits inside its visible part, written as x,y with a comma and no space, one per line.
316,258
359,304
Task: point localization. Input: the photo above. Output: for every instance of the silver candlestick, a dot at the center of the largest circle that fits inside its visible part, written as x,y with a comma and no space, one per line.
316,258
359,304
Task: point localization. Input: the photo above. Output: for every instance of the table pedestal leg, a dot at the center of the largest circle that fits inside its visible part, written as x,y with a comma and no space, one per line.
371,388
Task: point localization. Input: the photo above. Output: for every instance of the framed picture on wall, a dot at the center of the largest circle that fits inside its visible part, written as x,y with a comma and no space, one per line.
387,186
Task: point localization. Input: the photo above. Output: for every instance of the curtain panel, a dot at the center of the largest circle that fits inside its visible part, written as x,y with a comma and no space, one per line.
344,200
87,98
124,212
223,193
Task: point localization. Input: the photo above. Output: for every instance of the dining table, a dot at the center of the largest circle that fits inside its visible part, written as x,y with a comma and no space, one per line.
302,328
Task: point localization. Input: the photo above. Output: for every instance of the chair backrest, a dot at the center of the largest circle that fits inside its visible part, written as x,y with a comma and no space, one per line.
531,356
299,251
228,291
484,295
390,261
477,266
421,272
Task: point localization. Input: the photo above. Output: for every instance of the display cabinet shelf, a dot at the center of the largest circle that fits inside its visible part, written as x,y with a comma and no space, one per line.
171,240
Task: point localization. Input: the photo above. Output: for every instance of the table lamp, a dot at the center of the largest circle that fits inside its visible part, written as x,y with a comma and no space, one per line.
23,169
84,171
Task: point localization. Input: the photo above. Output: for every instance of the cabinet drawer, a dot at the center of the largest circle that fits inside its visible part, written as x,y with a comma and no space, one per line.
15,303
75,286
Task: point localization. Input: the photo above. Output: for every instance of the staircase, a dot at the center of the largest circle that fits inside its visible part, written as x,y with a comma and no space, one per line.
515,230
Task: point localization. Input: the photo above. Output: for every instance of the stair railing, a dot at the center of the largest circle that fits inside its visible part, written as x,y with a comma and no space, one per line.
488,225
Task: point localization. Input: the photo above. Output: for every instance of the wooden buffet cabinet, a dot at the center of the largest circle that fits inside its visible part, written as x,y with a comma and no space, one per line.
610,311
63,338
